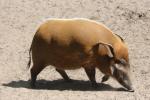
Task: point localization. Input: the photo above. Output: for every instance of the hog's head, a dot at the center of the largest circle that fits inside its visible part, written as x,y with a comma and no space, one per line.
110,65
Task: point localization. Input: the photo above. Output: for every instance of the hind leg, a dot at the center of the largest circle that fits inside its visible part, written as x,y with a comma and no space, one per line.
63,74
35,70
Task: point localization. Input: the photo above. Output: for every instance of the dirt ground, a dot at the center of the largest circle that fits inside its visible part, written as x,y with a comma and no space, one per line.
19,20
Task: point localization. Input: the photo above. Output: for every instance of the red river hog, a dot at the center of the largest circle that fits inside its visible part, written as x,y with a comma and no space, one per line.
69,44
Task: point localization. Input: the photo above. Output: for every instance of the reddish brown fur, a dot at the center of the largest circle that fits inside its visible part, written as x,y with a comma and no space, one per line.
68,44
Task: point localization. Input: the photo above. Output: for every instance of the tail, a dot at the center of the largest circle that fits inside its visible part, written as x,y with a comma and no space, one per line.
29,62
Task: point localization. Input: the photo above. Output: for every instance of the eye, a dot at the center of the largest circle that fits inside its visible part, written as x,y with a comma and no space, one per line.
117,61
122,62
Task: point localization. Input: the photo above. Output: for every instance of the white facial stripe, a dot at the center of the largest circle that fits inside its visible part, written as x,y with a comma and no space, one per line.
122,68
112,69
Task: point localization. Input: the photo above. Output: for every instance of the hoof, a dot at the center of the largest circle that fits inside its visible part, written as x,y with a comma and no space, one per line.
69,80
32,85
94,85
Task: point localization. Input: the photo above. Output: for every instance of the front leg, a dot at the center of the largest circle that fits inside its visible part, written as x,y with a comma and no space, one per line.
90,71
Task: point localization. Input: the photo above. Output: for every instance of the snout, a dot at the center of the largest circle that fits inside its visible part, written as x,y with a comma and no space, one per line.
127,84
123,78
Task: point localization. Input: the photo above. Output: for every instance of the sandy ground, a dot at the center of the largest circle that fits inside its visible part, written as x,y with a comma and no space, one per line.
19,20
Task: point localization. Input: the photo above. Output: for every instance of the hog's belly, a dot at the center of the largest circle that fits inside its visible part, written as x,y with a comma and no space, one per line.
69,60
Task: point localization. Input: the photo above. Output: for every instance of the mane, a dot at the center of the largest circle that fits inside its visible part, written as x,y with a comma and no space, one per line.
120,37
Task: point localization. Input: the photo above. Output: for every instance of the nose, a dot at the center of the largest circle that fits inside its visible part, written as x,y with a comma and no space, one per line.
130,88
127,84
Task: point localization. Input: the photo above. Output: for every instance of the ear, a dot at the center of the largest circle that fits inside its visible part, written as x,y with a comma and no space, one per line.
110,50
104,49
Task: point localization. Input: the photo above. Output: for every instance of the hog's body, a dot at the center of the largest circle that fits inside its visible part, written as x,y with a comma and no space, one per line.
68,44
